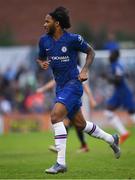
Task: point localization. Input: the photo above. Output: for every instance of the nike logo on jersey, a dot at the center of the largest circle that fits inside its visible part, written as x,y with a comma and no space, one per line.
61,98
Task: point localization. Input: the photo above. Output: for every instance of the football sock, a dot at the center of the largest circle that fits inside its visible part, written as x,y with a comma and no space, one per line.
115,122
133,118
60,141
96,132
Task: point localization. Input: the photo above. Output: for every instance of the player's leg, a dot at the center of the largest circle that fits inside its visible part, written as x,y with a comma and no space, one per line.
67,126
86,114
58,114
115,121
112,104
132,116
88,103
93,130
80,134
81,137
129,104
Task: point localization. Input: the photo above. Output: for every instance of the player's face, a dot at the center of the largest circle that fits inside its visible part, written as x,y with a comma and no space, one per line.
49,25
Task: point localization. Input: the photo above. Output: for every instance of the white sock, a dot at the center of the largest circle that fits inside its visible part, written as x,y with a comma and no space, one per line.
115,122
60,142
133,118
96,132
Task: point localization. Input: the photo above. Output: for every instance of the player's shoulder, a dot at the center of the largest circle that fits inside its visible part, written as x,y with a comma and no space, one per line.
74,37
44,37
44,40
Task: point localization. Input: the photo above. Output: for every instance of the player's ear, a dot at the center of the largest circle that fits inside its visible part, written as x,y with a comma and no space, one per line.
57,23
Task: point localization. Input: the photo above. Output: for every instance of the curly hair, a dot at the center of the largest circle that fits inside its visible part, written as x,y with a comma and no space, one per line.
61,15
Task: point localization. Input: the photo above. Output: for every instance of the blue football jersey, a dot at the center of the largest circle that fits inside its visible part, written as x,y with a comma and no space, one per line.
62,55
117,69
122,95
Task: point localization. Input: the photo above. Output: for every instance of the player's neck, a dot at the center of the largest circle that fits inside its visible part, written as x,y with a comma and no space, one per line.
58,33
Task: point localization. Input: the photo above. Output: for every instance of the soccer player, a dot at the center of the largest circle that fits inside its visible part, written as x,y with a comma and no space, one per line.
59,50
122,95
67,123
111,42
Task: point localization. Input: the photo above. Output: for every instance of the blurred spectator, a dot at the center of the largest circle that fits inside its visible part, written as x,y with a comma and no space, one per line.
20,71
5,105
111,42
35,102
26,77
10,74
5,108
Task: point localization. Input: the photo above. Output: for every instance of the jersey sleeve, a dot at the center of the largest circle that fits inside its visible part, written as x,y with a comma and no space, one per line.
80,44
42,53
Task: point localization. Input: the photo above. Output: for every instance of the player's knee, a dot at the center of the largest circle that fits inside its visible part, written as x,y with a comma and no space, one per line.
109,114
80,125
55,117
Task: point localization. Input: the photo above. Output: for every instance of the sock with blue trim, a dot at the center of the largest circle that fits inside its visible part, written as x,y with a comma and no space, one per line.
95,131
60,141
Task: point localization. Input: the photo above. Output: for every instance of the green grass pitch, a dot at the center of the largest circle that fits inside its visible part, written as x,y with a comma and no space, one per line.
25,156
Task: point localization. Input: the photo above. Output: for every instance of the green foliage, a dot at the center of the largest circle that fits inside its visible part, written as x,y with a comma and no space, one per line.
6,37
25,156
84,30
98,38
121,36
95,38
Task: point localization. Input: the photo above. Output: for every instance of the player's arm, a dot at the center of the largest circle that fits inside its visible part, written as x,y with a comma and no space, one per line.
89,59
42,57
90,95
46,87
82,46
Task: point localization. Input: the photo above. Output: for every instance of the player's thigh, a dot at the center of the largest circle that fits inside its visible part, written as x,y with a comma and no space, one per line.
78,120
58,113
129,104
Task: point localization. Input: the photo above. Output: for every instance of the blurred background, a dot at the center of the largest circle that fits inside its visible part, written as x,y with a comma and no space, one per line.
101,23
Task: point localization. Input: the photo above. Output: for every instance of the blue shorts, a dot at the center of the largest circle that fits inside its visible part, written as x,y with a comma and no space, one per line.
70,96
122,97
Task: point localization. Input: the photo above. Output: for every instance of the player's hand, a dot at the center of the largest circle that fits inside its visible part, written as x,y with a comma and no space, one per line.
43,64
83,76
